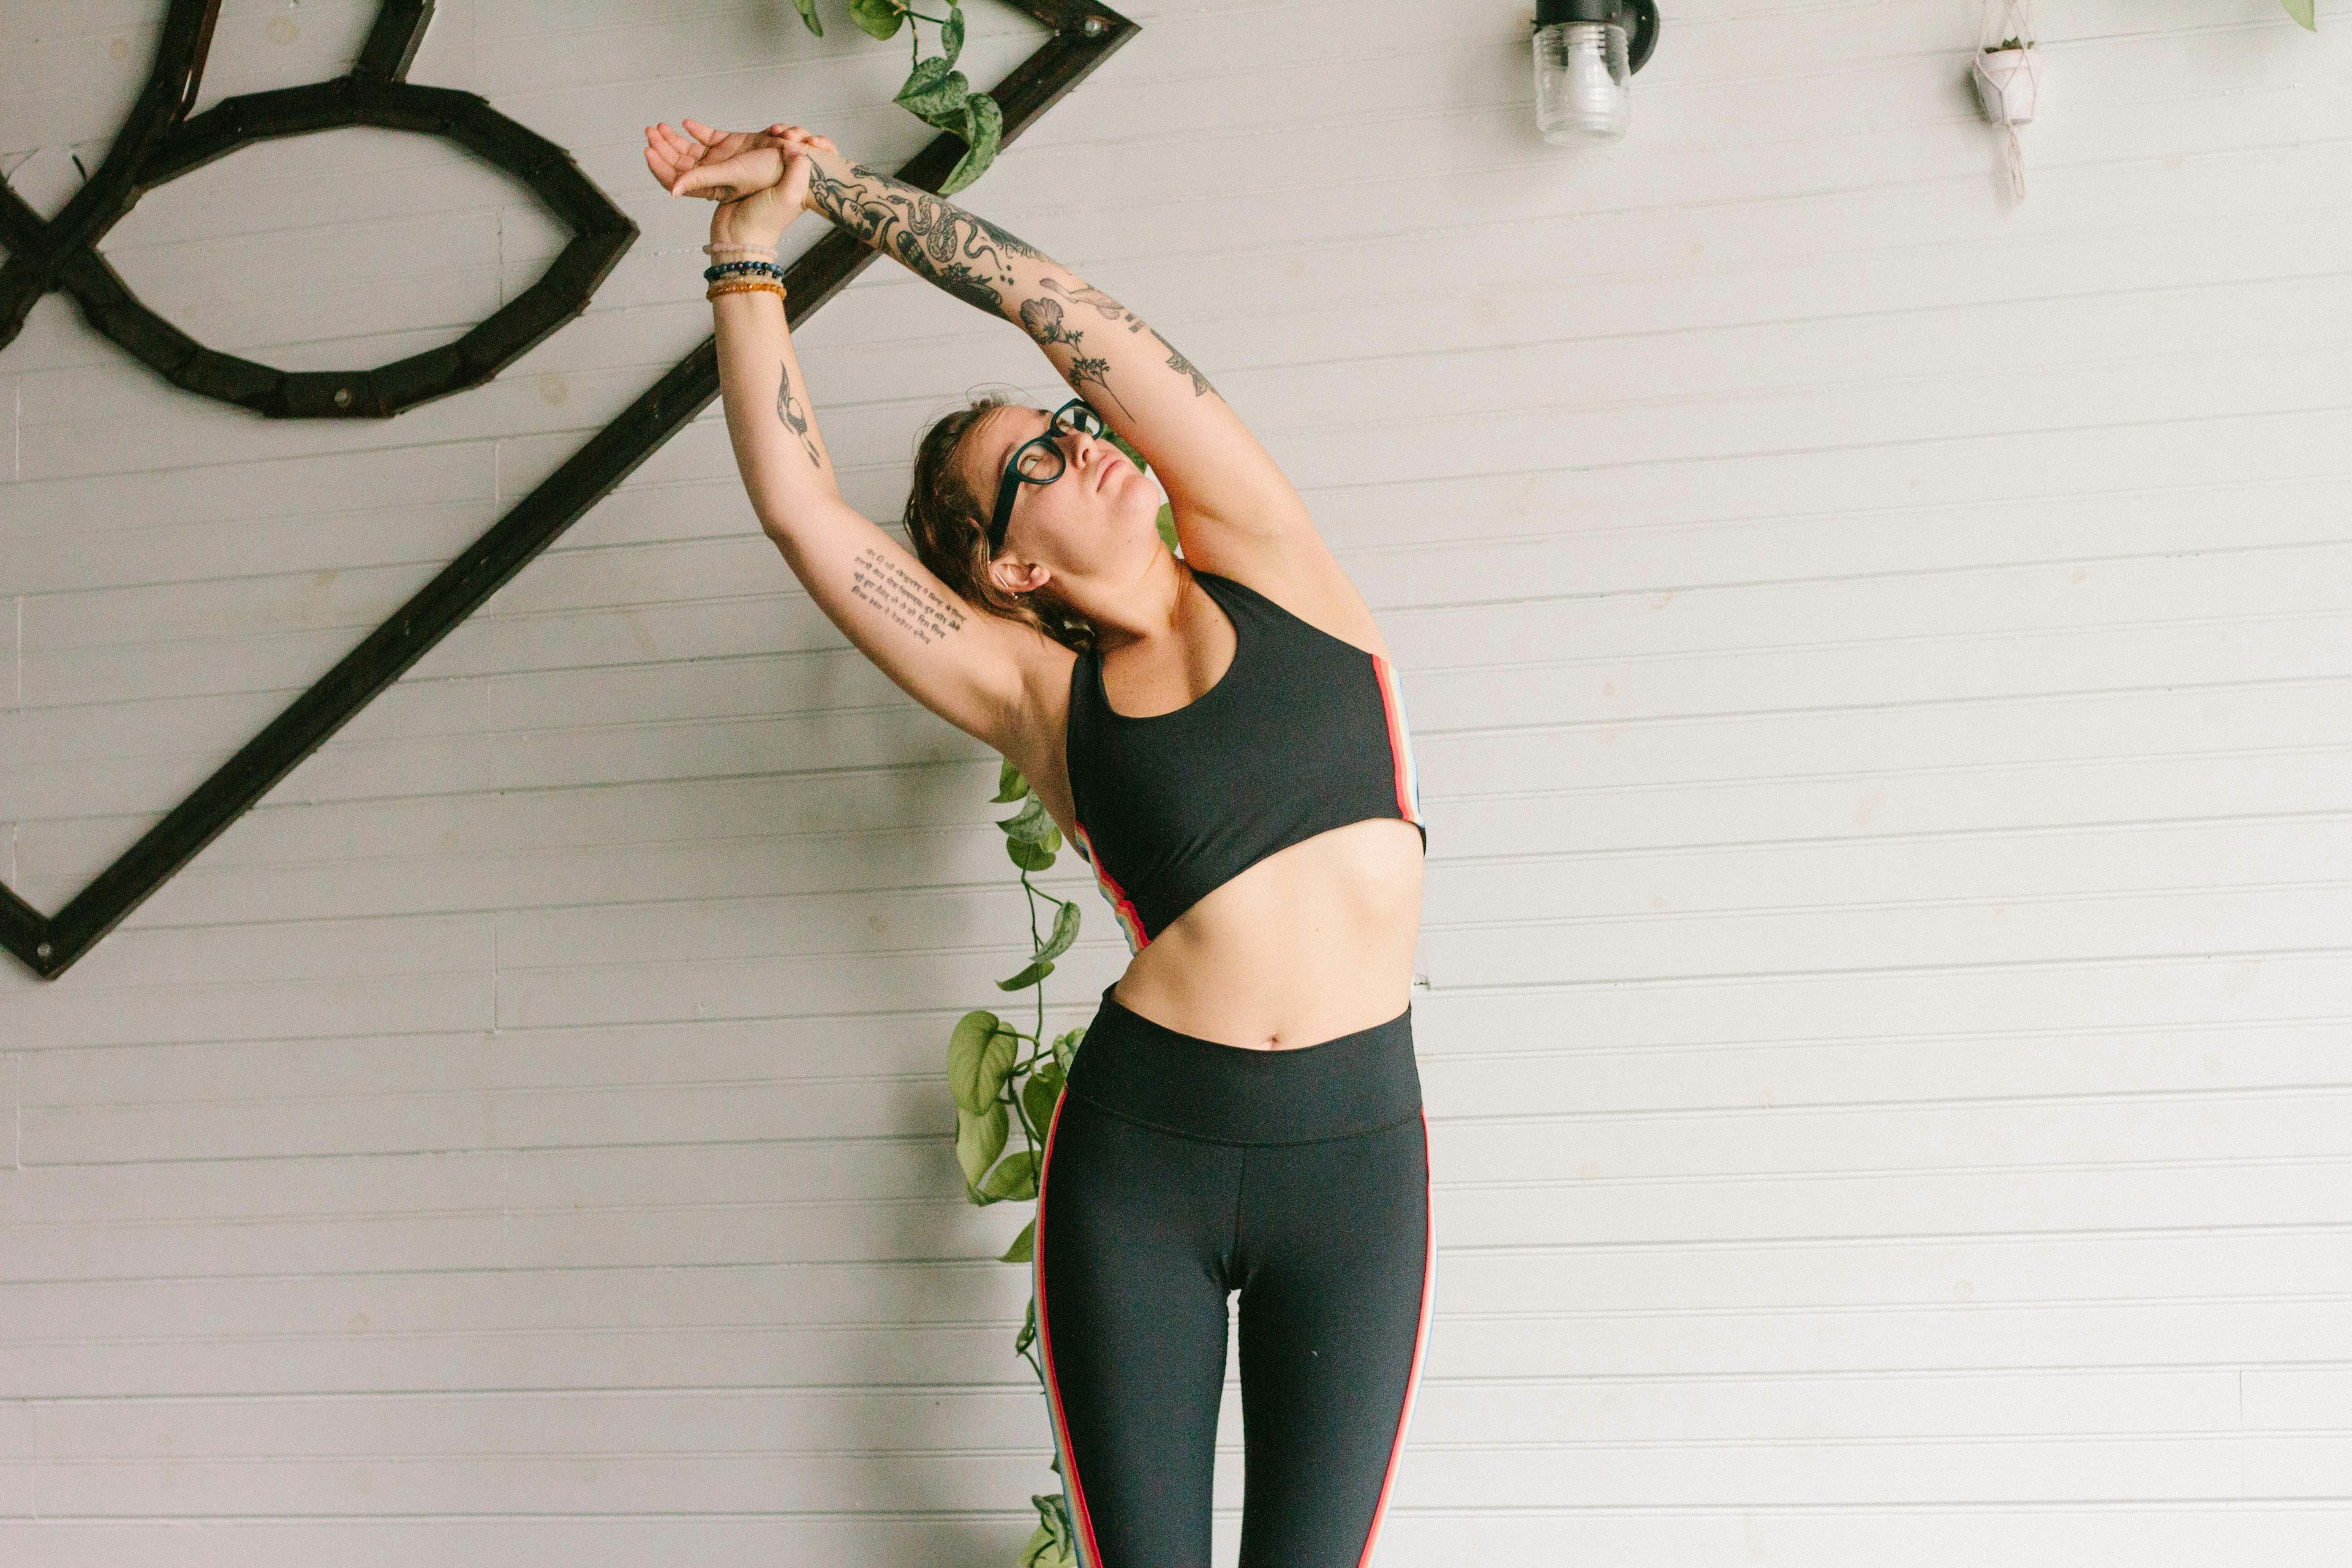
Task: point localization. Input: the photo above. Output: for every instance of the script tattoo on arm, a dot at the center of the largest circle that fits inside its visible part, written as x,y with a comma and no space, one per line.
1111,310
933,237
903,598
795,417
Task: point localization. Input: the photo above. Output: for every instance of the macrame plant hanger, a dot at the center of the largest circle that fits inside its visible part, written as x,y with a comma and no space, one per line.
2008,81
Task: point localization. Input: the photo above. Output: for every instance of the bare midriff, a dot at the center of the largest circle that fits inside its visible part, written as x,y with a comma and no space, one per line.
1312,942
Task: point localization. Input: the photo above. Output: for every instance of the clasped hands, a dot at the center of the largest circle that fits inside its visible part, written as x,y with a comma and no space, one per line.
759,178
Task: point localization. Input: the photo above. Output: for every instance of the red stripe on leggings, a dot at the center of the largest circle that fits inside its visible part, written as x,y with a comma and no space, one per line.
1089,1555
1412,1378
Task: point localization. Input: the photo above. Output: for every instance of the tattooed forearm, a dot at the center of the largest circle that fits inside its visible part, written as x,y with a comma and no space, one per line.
905,598
970,257
960,251
1111,310
795,418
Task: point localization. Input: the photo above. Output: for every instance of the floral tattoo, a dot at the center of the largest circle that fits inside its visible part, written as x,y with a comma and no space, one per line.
1111,310
1042,319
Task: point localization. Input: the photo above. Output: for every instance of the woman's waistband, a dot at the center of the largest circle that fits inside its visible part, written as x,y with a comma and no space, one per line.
1146,1072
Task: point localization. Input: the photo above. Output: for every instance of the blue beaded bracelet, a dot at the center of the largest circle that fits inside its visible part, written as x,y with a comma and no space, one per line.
740,269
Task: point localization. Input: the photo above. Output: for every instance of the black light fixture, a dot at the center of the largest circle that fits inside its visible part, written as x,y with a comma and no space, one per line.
1585,51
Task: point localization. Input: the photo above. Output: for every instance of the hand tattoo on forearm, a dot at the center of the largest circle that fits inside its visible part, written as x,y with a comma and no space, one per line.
960,251
906,599
795,417
1201,387
1087,294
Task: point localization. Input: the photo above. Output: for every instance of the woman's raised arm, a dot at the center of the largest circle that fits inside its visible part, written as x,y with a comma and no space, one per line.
973,668
1234,506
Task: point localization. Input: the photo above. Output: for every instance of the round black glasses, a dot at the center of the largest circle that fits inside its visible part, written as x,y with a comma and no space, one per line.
1039,461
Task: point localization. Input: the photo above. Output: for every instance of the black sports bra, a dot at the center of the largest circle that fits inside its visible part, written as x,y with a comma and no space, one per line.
1304,732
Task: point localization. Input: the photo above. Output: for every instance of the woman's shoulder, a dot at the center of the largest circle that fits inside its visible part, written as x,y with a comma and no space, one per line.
1291,583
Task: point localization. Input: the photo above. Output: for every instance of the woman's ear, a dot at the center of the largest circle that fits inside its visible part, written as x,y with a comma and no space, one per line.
1019,577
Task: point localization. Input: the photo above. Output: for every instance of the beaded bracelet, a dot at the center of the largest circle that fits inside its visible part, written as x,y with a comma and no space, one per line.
746,286
716,246
741,269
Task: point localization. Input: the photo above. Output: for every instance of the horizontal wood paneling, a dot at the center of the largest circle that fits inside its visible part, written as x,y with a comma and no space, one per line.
1877,665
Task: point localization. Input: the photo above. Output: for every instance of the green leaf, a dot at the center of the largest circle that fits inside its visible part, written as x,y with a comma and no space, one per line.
1066,1048
1045,1551
996,1061
1032,822
965,1043
1065,932
879,17
1032,837
925,77
1029,977
1028,1335
1010,785
979,1140
1040,1093
1019,1253
980,1053
2301,10
1052,1544
1029,856
984,129
933,91
1016,1178
1168,529
951,33
808,15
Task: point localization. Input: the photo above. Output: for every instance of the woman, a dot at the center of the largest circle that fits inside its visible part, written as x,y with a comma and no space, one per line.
1221,735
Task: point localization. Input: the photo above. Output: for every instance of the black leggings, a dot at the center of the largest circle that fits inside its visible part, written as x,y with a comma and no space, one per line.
1178,1170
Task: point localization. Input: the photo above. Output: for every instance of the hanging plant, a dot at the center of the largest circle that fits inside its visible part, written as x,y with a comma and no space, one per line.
935,92
2008,79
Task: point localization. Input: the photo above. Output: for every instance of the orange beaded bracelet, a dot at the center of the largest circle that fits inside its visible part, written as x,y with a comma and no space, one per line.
745,286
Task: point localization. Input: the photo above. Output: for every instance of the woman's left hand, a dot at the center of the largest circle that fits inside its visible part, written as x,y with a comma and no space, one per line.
760,178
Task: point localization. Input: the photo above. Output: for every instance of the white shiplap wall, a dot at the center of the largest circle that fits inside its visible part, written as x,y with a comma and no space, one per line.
1879,664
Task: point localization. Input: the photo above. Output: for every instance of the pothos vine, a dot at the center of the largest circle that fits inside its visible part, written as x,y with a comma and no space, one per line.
935,92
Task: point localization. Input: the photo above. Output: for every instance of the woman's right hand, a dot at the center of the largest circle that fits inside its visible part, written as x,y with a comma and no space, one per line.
759,178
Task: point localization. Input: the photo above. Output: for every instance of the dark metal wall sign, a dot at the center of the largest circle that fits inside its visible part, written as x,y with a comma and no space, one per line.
158,145
158,142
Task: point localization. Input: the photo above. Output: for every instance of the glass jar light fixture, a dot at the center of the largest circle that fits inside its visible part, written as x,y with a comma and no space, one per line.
1585,51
